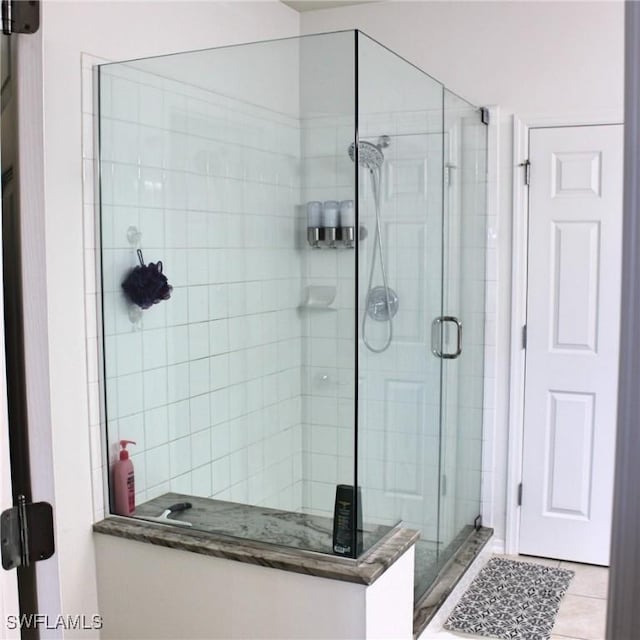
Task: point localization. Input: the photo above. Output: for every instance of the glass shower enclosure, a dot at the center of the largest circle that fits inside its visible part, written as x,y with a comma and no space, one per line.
317,205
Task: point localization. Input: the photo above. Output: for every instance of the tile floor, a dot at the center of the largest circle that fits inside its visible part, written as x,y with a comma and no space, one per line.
582,613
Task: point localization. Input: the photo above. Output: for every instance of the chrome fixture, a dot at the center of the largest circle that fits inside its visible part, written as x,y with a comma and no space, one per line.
384,142
370,155
382,306
437,338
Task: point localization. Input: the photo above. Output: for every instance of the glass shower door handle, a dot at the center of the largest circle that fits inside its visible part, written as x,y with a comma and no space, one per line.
437,342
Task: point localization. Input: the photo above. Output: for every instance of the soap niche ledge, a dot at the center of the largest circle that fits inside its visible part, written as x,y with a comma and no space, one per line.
319,298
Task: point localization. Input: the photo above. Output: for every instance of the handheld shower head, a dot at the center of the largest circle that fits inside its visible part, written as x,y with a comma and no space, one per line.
370,155
381,302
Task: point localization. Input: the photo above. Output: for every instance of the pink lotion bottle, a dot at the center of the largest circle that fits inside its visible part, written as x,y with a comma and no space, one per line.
124,491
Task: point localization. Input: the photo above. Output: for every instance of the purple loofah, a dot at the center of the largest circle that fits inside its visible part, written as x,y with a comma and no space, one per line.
146,285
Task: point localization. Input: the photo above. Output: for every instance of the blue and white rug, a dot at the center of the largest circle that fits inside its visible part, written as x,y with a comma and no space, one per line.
511,600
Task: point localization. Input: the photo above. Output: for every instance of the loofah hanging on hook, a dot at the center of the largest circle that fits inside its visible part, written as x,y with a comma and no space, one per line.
146,285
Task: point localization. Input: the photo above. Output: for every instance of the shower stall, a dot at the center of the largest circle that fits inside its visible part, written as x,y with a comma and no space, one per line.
318,207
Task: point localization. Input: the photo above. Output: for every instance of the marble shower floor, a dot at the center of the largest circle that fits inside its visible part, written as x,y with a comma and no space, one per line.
582,614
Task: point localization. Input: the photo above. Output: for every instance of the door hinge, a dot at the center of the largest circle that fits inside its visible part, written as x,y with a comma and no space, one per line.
520,494
477,523
524,336
443,485
484,115
20,16
527,172
26,534
448,173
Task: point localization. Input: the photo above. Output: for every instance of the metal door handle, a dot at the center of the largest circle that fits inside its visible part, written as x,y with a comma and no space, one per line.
436,329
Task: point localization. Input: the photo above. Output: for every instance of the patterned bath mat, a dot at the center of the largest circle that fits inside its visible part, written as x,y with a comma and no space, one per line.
511,600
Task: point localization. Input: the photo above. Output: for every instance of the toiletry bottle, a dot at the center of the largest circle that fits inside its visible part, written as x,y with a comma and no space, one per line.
330,214
314,220
314,213
124,492
329,220
347,214
347,522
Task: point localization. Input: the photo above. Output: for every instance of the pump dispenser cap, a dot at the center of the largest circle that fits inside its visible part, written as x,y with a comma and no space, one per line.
124,454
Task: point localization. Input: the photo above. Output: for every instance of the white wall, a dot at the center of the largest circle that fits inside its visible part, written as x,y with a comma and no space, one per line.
538,59
389,601
172,593
114,31
533,57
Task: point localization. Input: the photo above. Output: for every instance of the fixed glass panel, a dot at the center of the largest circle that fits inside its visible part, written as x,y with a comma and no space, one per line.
465,149
327,120
207,160
399,293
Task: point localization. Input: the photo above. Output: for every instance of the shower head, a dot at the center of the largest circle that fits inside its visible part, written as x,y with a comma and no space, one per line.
369,155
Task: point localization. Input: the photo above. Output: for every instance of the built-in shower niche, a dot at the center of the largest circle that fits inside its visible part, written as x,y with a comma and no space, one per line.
277,371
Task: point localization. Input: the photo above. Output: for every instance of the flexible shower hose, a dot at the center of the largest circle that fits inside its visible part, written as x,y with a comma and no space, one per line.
376,178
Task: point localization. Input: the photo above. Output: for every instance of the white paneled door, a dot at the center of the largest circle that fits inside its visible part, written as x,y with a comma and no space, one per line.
573,312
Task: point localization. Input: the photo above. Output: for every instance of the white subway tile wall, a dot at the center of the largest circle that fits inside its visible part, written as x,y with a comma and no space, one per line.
328,436
208,383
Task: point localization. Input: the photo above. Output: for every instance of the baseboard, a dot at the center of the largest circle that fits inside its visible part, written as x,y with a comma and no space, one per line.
497,545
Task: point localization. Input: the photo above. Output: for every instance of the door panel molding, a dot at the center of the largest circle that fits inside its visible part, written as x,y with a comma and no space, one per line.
568,490
522,124
574,326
